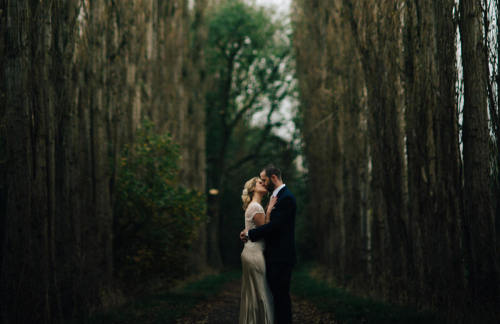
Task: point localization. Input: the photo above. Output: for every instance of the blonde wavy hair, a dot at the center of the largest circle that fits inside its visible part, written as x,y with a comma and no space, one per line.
247,193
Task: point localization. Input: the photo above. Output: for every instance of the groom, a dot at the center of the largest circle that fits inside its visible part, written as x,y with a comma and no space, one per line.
279,235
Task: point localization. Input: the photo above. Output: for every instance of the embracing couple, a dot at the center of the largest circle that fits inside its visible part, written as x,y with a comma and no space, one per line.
269,252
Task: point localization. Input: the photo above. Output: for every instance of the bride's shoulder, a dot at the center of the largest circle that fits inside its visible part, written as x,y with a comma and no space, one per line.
257,205
254,206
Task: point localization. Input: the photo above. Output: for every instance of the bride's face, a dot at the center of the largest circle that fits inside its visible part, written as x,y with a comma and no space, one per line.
259,186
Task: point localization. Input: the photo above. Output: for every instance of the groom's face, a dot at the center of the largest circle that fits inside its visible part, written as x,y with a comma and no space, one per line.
267,181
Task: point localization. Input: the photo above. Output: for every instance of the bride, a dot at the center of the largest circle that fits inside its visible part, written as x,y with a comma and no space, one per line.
256,298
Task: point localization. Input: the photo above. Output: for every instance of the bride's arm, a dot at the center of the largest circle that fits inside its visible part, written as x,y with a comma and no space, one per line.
268,216
259,219
272,202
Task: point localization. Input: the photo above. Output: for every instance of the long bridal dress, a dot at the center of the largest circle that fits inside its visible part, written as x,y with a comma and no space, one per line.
256,300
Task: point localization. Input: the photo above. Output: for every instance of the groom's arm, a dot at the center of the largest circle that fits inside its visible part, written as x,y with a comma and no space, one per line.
280,216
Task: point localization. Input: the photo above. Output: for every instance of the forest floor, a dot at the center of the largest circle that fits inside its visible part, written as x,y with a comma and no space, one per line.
224,309
216,299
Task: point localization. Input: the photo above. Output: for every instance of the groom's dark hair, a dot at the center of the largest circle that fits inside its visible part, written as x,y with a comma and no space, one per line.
271,169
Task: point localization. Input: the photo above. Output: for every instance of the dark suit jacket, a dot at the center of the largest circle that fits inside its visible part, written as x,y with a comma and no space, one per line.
279,233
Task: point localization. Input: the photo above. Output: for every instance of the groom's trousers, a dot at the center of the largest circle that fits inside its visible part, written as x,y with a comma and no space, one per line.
278,278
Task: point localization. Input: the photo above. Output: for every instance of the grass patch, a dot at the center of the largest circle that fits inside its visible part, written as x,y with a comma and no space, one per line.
351,309
167,306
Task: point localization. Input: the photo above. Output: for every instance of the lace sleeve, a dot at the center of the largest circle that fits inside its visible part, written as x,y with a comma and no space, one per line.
253,209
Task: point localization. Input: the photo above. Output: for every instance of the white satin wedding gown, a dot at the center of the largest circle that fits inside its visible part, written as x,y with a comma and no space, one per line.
256,305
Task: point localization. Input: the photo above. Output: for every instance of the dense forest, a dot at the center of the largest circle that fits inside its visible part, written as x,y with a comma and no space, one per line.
77,79
402,145
128,128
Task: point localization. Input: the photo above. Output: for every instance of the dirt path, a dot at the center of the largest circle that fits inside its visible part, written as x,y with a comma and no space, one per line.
225,307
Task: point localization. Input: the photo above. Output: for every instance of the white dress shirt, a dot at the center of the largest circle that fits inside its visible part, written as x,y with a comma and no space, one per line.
275,192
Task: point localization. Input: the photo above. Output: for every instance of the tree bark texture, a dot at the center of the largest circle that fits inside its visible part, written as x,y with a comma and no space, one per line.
377,81
376,29
77,77
482,260
322,118
434,178
334,116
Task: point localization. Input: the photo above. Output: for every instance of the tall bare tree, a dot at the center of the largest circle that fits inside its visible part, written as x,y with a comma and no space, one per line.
318,51
482,262
376,27
432,145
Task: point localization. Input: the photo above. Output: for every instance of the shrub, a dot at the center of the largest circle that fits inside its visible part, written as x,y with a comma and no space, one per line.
155,217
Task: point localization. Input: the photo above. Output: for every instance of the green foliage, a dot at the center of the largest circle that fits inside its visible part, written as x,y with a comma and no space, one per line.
155,217
237,29
249,65
348,308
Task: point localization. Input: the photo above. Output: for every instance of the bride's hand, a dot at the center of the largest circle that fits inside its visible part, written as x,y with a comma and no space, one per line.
272,202
243,235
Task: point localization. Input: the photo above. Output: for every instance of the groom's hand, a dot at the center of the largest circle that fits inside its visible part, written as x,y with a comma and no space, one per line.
243,236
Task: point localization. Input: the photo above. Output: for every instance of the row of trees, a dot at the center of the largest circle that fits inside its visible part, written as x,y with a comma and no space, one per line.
76,79
403,163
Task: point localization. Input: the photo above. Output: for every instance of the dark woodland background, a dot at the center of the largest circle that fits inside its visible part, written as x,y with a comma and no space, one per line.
128,128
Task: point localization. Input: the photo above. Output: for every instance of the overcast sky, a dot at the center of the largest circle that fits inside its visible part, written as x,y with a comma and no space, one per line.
287,109
281,5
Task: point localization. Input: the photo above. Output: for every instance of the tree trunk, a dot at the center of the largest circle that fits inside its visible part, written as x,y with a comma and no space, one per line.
482,260
318,55
432,146
380,59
